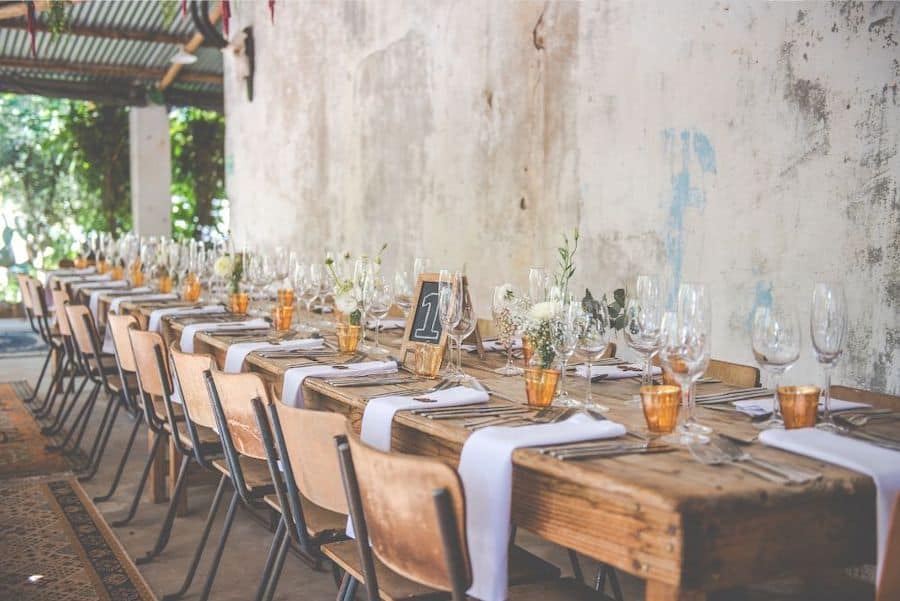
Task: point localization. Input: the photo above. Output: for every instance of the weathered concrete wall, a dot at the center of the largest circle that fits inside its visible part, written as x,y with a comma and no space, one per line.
750,145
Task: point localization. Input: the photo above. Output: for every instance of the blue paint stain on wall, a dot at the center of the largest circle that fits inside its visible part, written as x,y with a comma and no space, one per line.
692,146
761,298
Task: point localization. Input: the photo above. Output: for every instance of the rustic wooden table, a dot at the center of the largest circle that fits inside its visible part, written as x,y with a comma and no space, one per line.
683,527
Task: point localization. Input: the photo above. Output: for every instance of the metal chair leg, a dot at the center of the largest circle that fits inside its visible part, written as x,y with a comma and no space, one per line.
115,483
223,538
350,593
607,571
52,391
576,566
137,495
37,385
88,403
342,587
65,408
76,448
101,433
163,539
279,566
201,545
103,438
280,533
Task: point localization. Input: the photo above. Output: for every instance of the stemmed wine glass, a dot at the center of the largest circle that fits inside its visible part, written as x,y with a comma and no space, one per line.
538,282
449,307
776,347
468,321
507,319
380,301
593,340
827,330
403,292
567,324
643,319
318,284
303,288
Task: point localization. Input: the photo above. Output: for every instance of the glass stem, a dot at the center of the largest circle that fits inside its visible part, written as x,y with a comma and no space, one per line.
509,355
776,408
588,397
459,355
827,414
377,332
690,404
647,376
563,390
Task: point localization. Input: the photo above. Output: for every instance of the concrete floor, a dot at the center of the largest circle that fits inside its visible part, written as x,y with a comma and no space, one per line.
248,543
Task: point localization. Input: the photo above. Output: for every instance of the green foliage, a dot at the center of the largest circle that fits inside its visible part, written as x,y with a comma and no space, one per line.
58,16
566,262
169,9
616,309
198,173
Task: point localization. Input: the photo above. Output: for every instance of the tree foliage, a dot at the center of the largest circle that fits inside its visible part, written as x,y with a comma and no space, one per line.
198,172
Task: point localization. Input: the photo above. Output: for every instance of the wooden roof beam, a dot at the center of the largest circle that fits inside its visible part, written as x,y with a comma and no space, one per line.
105,70
158,37
190,47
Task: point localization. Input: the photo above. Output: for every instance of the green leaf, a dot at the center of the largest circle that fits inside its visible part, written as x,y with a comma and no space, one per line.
619,295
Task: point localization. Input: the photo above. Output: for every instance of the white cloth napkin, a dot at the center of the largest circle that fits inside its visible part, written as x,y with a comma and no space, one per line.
379,412
493,345
71,271
110,285
391,323
187,334
764,406
234,358
114,305
292,389
883,465
613,372
84,278
156,315
94,303
485,467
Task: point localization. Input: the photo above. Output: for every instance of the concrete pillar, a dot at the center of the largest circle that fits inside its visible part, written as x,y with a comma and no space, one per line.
151,171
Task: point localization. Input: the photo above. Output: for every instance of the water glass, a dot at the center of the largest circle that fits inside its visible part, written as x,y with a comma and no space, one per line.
827,330
776,348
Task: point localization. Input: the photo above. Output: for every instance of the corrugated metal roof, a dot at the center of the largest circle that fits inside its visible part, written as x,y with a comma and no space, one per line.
133,61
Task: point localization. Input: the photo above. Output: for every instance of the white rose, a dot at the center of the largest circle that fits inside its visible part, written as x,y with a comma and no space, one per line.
224,266
503,294
544,311
346,303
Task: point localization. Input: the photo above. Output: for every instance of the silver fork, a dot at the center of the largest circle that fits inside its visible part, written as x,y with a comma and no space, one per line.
709,455
738,454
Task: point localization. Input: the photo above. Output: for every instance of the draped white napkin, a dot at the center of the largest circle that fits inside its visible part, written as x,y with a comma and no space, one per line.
613,372
71,271
234,358
156,315
764,406
105,285
379,412
485,467
114,305
390,323
292,389
84,278
94,303
187,334
883,465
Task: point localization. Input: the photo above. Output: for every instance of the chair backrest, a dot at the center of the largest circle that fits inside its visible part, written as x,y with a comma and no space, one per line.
25,290
889,584
189,368
60,300
80,332
36,291
144,345
236,393
733,373
309,445
118,326
397,493
857,395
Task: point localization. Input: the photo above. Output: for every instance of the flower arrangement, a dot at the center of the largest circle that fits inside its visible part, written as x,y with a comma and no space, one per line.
230,268
566,264
346,291
615,309
541,331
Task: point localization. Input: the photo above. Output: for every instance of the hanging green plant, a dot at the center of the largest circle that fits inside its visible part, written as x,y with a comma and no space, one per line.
169,10
58,17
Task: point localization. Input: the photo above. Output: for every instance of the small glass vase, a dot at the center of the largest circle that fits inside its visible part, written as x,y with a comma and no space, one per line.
238,302
117,273
192,288
527,350
348,337
540,384
165,283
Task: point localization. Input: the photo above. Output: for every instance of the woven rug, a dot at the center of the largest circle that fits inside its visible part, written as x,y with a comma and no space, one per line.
22,451
55,546
17,339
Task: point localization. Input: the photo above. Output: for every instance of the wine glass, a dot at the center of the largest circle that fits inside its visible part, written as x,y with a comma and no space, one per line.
538,281
593,340
420,265
467,323
319,286
507,320
449,307
303,288
827,330
380,301
695,312
567,326
365,283
403,292
776,347
643,317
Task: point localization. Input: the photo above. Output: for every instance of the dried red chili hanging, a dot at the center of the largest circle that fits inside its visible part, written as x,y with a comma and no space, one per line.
272,10
184,8
226,14
29,16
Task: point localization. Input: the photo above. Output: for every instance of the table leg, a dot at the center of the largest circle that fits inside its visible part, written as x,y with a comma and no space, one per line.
660,591
156,485
174,464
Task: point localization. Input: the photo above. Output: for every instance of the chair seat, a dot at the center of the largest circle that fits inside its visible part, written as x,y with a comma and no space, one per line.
319,521
159,407
524,567
256,474
209,440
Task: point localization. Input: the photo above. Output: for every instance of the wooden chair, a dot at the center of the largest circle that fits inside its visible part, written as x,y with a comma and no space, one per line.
857,395
409,514
71,365
125,366
22,279
56,348
888,588
28,306
200,428
735,374
245,453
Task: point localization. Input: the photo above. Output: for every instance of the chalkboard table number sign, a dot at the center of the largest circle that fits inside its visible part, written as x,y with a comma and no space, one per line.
424,324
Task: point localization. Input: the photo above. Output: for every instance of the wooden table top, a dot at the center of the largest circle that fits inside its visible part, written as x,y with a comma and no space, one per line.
683,526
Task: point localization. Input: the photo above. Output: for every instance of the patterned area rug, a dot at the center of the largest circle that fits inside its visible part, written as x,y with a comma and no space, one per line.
22,451
18,340
56,546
